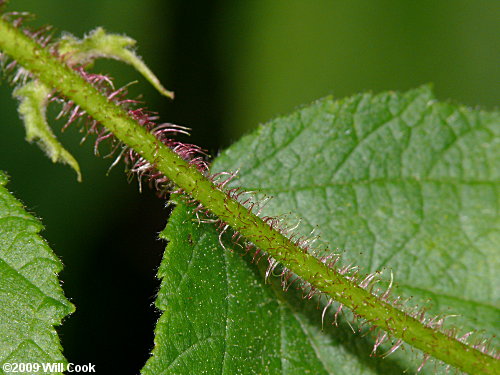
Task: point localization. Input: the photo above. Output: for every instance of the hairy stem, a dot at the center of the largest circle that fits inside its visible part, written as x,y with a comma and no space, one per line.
57,75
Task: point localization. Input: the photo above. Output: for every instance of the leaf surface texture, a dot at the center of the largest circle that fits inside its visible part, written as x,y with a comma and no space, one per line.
31,299
395,181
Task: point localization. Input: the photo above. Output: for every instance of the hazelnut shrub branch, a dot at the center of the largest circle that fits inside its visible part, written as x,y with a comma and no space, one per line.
59,76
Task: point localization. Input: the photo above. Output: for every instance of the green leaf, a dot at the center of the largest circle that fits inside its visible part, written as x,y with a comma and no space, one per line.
220,317
31,299
100,44
33,99
396,181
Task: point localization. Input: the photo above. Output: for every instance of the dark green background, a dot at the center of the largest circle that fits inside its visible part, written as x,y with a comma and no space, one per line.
232,65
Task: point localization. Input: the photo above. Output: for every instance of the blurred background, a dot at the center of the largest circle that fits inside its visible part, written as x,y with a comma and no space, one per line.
232,65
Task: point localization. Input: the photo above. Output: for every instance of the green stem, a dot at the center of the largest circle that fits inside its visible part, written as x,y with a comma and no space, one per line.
55,74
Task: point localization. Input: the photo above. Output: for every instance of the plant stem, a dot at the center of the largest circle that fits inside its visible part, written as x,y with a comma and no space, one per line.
57,75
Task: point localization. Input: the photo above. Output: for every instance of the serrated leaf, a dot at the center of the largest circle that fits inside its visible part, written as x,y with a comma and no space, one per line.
33,99
100,44
31,299
395,180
